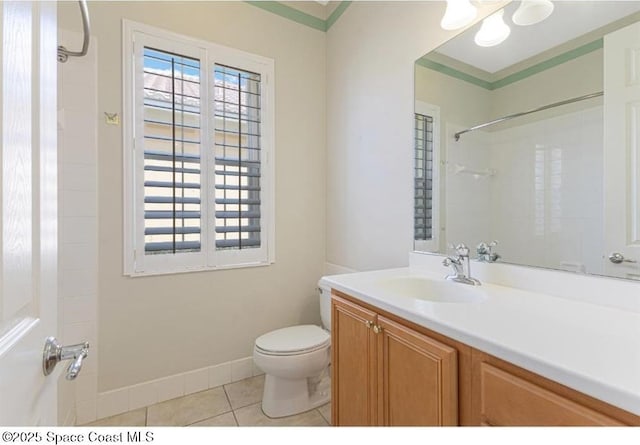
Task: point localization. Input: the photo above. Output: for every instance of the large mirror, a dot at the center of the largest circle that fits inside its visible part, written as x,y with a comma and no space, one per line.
534,142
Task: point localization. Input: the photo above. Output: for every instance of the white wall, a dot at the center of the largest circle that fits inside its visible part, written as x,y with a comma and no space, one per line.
160,326
574,78
464,198
371,52
461,103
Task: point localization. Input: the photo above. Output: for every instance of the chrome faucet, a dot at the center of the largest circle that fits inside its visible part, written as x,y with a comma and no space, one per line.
485,252
458,264
54,352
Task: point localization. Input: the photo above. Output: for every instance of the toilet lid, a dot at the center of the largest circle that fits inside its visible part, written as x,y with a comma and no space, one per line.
294,339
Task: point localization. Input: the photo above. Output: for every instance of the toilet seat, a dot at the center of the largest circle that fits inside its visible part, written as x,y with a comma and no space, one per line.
293,340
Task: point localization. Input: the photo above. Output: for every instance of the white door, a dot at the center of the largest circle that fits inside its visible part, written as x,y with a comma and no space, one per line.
622,152
28,211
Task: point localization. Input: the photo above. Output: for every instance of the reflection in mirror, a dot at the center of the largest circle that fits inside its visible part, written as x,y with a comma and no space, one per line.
427,136
557,184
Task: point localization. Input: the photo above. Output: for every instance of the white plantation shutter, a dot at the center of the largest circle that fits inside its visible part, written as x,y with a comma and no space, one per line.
423,178
237,158
426,177
198,184
172,185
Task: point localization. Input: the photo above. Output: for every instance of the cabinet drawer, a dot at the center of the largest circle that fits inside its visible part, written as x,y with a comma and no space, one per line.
507,400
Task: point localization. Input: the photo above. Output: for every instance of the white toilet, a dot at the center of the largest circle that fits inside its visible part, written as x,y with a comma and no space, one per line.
295,360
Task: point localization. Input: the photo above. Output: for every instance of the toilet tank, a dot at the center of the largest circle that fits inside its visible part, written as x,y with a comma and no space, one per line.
325,306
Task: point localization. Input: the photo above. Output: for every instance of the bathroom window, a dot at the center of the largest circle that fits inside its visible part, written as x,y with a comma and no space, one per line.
426,148
171,153
198,155
423,177
237,156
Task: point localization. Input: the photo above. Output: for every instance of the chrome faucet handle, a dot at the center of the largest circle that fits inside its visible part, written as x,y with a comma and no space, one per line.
462,250
75,366
456,264
483,248
485,252
449,261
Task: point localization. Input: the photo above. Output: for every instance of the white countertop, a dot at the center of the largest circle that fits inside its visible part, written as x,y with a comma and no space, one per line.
589,347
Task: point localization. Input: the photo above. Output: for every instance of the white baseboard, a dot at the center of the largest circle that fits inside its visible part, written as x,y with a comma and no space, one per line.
129,398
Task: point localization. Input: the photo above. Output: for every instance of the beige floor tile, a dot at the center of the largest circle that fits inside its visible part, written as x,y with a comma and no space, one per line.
252,415
245,392
189,409
226,419
131,418
325,411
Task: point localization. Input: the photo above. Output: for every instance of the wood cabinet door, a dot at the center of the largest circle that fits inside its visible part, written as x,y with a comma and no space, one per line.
417,378
353,374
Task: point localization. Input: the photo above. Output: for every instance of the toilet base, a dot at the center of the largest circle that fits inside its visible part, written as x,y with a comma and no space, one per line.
286,397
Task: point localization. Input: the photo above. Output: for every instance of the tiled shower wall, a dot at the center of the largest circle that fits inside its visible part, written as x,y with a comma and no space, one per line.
547,195
78,226
539,191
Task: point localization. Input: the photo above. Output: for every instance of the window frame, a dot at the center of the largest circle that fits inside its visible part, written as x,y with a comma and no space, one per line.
136,263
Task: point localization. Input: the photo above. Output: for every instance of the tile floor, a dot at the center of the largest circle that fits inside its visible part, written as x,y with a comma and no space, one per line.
234,404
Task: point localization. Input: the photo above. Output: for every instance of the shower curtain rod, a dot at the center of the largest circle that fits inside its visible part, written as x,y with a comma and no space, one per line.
524,113
64,53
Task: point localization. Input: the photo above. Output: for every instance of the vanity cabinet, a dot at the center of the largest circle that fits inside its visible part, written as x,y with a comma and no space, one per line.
507,395
417,378
386,373
353,364
389,371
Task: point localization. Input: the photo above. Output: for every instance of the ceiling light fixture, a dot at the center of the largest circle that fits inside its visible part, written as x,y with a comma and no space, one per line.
493,30
531,12
459,14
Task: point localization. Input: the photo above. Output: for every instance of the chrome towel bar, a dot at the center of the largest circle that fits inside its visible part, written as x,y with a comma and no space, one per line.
64,53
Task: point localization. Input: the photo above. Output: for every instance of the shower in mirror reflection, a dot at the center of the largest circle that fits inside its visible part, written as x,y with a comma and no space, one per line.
534,182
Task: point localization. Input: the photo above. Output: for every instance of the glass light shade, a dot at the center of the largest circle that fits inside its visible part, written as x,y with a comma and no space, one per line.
531,12
459,14
493,30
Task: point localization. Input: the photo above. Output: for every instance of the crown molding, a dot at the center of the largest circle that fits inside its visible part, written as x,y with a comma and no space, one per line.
515,77
300,17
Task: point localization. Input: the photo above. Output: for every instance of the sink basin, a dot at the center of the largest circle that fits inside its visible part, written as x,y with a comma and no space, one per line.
432,290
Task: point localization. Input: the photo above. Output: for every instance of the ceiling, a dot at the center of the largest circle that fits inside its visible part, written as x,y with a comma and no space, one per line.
570,19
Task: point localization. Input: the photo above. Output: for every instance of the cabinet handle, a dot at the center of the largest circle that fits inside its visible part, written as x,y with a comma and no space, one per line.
368,324
377,329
